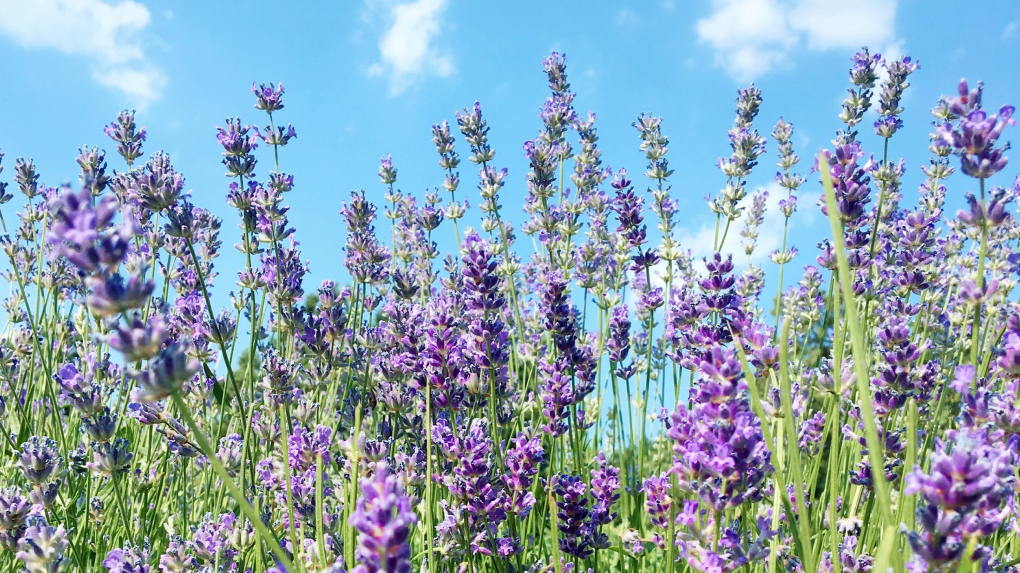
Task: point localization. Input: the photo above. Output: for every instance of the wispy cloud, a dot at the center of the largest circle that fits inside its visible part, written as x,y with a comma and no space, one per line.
407,48
1009,31
106,34
627,17
751,37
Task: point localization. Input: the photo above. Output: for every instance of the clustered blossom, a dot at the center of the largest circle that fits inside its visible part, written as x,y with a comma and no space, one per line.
384,519
581,513
974,137
720,451
960,498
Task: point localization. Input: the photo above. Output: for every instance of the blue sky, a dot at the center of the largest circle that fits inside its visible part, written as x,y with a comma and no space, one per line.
365,79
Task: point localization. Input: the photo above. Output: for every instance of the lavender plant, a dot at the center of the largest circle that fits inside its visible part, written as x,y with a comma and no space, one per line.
605,402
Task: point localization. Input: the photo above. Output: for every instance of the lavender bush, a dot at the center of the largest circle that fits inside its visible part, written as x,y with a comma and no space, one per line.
604,403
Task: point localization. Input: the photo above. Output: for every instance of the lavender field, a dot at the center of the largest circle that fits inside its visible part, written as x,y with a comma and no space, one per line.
576,393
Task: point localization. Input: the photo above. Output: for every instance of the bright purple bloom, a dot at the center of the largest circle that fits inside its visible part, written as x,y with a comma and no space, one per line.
268,98
976,134
961,496
573,516
384,518
39,459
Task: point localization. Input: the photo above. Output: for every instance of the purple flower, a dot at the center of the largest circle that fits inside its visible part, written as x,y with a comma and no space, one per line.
960,497
26,177
129,138
306,447
605,483
14,509
628,207
366,258
110,458
176,559
112,295
157,186
231,452
237,147
572,514
720,450
268,98
974,137
889,97
276,137
138,340
387,173
810,434
384,518
165,374
42,547
657,499
100,426
475,131
130,559
850,184
93,170
994,214
39,459
522,461
619,334
210,541
78,231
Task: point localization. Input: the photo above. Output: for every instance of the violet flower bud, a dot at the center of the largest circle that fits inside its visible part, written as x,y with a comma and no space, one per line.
138,340
14,508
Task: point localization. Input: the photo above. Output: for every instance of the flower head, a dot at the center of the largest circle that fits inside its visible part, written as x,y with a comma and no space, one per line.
384,518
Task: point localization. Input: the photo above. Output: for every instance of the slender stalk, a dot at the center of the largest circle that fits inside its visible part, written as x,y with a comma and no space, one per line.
976,326
790,423
859,352
246,508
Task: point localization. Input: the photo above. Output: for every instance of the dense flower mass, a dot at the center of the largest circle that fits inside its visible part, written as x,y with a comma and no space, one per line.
604,402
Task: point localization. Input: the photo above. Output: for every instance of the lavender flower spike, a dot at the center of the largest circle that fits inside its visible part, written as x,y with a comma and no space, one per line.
42,548
165,374
384,518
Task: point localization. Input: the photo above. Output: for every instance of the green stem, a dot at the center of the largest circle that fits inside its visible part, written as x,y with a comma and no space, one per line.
246,508
865,396
976,327
792,445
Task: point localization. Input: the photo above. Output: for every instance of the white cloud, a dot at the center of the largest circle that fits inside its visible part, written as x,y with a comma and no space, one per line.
751,37
1009,31
407,48
105,33
627,17
139,85
835,25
